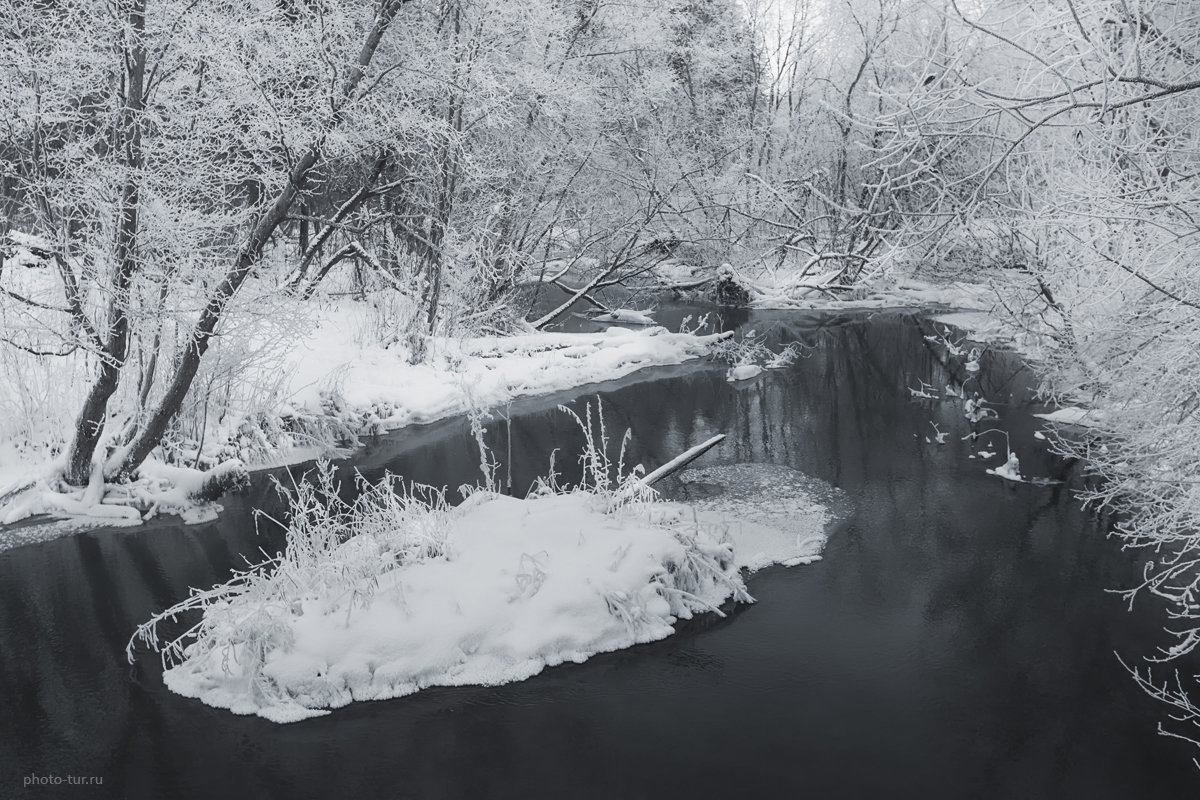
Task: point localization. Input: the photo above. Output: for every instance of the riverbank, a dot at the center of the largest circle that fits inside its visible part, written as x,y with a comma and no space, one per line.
333,387
341,381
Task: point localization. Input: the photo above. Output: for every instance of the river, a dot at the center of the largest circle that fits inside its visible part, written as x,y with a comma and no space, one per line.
955,641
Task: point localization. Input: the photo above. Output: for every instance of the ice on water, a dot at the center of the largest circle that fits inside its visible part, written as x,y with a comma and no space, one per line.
772,514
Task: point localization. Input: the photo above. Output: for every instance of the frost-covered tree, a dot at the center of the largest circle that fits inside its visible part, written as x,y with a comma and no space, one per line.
823,198
222,160
158,171
1059,154
565,146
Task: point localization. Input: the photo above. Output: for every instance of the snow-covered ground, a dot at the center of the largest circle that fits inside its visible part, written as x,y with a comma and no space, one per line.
338,377
490,592
782,290
377,386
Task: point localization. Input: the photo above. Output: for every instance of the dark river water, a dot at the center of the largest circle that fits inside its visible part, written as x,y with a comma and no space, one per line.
956,640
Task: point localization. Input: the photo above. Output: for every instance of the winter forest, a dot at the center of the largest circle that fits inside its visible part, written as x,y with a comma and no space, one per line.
241,243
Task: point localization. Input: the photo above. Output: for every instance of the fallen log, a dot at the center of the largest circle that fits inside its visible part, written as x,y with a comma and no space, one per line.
680,461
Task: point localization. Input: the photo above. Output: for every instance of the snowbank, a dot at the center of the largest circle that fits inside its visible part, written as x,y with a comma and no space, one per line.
338,377
159,489
783,289
520,585
376,387
399,592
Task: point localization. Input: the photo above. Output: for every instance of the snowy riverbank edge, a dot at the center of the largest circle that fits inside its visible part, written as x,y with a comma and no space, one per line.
976,310
360,391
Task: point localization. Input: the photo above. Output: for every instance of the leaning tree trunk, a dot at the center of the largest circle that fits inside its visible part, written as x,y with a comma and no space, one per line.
89,426
197,344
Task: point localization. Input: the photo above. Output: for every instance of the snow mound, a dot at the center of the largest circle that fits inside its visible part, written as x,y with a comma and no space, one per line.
743,372
628,316
1010,470
1071,415
397,591
771,514
504,589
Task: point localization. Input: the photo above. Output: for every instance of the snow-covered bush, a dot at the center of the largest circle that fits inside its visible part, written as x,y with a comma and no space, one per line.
336,550
750,349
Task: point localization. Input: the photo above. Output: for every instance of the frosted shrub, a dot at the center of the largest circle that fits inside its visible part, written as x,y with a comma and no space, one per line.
704,560
36,396
613,481
488,465
387,317
751,349
336,551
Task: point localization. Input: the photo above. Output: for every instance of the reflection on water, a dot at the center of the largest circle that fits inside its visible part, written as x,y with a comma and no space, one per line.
955,640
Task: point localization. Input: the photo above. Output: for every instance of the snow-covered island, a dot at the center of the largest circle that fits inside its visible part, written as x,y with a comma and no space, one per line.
398,591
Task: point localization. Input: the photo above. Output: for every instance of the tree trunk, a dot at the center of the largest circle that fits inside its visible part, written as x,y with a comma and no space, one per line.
89,426
152,431
304,211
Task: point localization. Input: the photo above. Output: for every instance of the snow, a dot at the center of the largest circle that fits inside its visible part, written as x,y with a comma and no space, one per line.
972,364
78,504
378,384
26,250
771,288
337,372
1071,415
783,289
784,358
673,272
690,455
159,489
939,436
524,584
743,372
925,392
30,241
971,306
18,468
772,514
1010,470
493,591
976,410
953,348
624,315
169,489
